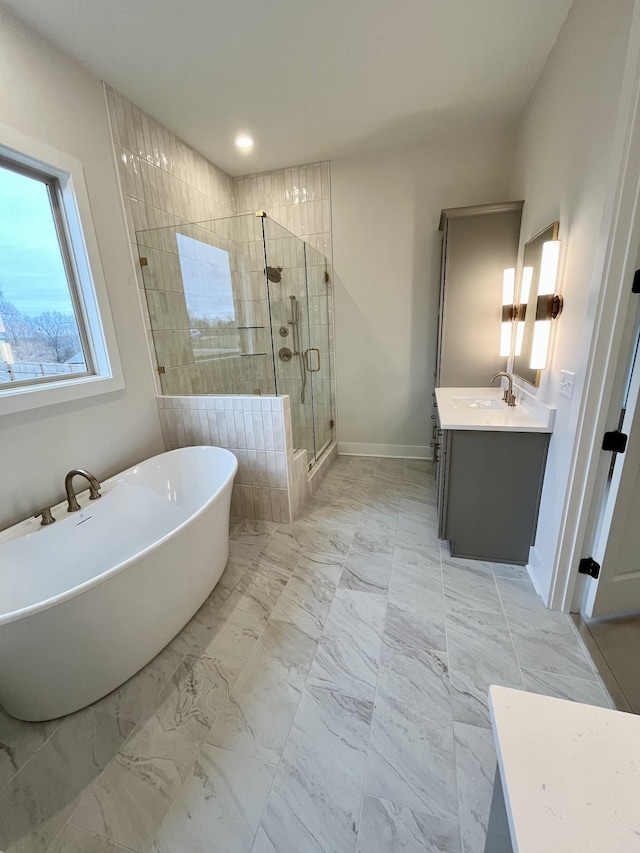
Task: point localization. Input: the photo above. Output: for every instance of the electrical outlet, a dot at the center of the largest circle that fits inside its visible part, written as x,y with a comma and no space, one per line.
566,383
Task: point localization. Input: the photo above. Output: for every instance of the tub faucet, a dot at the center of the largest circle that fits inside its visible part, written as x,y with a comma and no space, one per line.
94,488
508,395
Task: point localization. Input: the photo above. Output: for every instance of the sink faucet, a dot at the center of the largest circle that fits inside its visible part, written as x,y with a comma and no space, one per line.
508,396
94,488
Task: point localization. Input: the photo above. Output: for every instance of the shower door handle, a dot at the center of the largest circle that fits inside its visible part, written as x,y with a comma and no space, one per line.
307,361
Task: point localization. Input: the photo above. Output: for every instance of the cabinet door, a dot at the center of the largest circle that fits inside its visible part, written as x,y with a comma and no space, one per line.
492,493
477,250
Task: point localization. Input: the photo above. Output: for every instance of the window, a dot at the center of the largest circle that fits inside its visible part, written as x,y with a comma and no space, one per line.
42,336
57,341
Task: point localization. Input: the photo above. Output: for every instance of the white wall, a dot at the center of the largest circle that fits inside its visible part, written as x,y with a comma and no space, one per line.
562,170
49,97
386,211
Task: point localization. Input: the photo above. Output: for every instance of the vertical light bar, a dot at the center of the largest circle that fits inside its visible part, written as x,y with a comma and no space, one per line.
508,293
546,288
525,290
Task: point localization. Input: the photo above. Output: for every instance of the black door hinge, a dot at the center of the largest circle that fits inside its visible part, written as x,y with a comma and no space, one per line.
615,441
588,566
635,287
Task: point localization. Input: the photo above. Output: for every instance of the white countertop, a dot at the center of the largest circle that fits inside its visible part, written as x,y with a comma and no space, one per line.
570,773
463,408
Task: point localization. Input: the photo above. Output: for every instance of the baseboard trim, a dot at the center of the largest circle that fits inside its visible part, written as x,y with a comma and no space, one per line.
539,575
397,451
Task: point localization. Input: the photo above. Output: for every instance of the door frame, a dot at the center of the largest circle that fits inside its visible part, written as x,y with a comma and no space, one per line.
614,265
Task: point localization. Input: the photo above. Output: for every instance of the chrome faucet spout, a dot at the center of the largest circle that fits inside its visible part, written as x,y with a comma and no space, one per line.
508,395
94,488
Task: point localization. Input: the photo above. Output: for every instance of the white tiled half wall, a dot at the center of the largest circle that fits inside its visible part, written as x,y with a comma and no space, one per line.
257,430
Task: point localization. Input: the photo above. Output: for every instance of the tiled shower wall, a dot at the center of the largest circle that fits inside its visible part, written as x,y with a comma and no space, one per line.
163,181
298,198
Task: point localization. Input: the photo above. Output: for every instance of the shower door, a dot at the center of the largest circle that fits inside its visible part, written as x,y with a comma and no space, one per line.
285,275
317,359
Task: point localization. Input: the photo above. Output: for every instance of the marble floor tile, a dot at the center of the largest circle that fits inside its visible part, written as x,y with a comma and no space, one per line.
388,828
342,515
553,648
418,589
256,719
565,687
405,629
418,470
241,556
387,467
367,572
315,802
252,531
475,767
328,539
230,641
412,761
412,555
282,550
39,800
263,585
417,679
373,536
219,806
187,641
349,650
129,801
19,741
422,492
423,542
72,839
470,586
383,503
351,498
137,695
480,654
307,597
506,570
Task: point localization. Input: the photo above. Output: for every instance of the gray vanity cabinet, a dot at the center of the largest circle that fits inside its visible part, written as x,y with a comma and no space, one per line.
479,243
488,492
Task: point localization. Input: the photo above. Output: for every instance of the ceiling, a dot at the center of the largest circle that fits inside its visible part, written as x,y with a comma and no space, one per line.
309,79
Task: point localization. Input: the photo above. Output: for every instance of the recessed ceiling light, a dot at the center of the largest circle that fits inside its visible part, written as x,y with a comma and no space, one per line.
244,141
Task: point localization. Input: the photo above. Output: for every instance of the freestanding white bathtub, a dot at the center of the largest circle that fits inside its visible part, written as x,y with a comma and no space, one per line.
88,601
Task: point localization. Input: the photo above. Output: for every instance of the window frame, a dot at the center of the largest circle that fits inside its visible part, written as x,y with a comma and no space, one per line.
71,208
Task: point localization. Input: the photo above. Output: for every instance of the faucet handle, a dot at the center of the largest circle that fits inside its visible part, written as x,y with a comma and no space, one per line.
46,516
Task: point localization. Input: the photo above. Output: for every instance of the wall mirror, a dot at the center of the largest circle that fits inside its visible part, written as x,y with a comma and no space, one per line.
528,307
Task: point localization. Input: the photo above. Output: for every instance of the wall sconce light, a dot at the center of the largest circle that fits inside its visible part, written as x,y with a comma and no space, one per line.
527,275
549,305
508,310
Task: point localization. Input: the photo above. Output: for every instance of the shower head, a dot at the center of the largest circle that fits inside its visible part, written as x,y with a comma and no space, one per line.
274,274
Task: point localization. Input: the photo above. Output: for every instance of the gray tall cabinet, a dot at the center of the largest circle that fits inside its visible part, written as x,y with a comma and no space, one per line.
479,243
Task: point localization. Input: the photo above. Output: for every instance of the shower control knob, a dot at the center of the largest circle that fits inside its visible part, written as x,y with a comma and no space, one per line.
284,331
284,353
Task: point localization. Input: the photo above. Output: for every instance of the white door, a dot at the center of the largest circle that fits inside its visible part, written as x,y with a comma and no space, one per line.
617,542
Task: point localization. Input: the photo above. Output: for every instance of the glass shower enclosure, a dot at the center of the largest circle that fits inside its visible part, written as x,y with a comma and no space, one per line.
240,305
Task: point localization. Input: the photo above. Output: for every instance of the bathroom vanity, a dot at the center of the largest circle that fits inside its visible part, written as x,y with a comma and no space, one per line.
489,466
